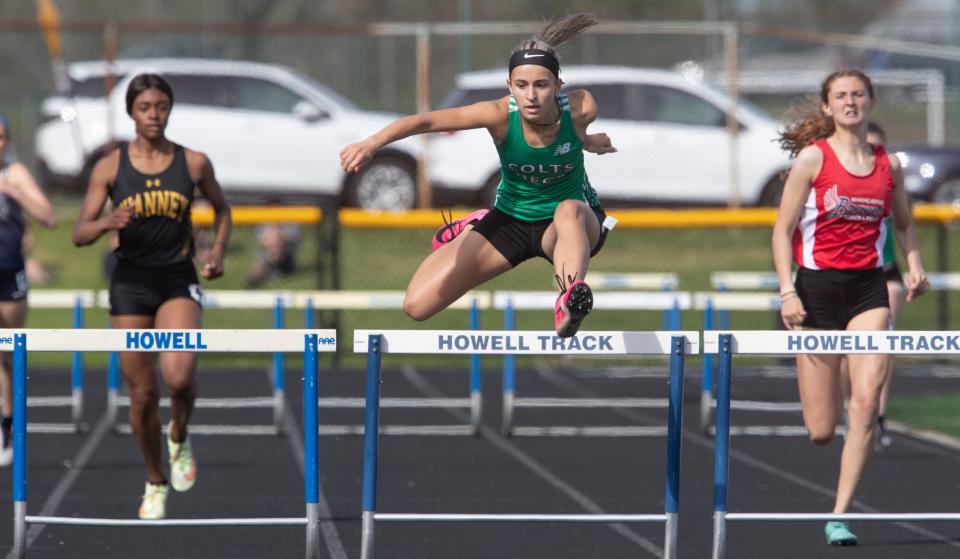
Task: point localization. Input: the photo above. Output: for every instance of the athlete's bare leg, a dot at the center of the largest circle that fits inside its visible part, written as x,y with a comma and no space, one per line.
449,272
178,369
569,239
818,380
137,369
13,314
896,294
868,374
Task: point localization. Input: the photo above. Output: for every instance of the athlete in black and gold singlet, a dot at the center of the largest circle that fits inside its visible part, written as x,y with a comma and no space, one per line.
155,251
151,182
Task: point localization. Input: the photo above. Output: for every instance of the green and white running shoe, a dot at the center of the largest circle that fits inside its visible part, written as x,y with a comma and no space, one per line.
839,534
154,504
183,468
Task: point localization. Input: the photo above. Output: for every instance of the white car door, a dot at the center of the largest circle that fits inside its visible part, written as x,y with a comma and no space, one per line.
204,118
613,175
296,147
248,129
685,151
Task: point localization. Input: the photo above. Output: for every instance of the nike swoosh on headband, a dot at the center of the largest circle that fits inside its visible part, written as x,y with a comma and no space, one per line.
528,55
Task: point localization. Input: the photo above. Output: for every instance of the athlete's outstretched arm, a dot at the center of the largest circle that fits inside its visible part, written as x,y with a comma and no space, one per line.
795,191
90,226
485,114
584,111
21,186
222,221
917,282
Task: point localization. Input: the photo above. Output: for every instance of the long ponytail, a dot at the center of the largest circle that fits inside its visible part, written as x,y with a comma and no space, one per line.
556,32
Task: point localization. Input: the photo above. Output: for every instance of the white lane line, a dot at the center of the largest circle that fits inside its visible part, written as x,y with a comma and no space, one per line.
80,460
531,464
693,437
327,527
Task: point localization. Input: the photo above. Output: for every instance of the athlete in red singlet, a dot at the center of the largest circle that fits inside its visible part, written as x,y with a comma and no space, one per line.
842,227
831,224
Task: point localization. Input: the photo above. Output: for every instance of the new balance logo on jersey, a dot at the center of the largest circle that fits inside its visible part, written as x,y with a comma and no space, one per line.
562,149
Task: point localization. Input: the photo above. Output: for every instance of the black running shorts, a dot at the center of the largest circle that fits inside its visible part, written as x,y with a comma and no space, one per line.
892,273
520,240
13,285
833,297
141,291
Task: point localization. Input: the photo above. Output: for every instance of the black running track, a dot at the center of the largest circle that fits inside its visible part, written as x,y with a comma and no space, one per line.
100,474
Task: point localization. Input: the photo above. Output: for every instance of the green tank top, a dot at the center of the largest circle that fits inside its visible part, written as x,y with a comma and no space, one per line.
534,180
889,255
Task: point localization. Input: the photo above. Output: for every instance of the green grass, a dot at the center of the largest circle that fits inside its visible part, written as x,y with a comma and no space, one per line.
938,412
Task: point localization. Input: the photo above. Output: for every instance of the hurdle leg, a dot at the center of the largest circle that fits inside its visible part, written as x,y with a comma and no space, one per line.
278,365
509,377
310,446
476,392
674,423
370,432
76,372
722,443
19,446
113,388
706,390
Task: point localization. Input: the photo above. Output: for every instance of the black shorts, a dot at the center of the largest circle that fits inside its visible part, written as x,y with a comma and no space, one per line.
892,273
833,297
13,285
141,291
520,240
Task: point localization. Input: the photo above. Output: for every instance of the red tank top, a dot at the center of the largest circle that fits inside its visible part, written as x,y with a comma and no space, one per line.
841,226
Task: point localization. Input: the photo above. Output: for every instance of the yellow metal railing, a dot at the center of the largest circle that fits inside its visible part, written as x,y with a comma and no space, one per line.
627,218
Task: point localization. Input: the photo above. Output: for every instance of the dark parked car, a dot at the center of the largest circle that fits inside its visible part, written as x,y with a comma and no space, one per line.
930,174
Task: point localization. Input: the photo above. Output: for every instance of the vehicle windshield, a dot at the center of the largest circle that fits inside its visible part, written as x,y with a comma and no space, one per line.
325,90
462,97
742,105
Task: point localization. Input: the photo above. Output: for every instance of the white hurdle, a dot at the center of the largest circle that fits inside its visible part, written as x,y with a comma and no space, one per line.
474,301
452,342
78,301
726,343
644,281
715,305
308,301
670,302
761,295
310,342
229,299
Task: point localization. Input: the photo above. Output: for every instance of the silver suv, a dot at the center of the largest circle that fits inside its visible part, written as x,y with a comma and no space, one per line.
271,133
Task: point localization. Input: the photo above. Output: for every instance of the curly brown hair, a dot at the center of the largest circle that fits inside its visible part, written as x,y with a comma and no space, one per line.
808,121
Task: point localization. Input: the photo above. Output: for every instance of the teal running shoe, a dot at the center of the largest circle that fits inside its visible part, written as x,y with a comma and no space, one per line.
839,534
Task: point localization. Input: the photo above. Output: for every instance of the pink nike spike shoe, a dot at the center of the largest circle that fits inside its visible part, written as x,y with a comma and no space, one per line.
450,230
573,305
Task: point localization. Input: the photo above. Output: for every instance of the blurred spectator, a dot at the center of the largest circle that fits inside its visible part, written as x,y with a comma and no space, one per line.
278,251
